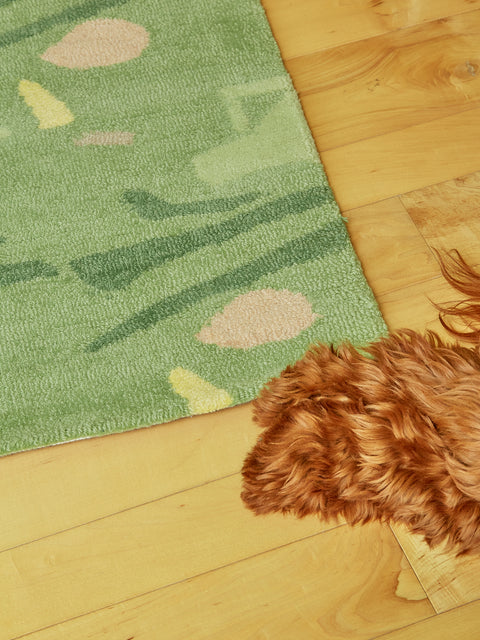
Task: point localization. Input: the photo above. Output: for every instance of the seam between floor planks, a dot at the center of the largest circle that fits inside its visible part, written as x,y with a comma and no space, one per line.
380,135
377,35
338,163
386,32
119,512
407,559
417,125
410,286
220,477
183,580
387,633
345,211
422,236
426,619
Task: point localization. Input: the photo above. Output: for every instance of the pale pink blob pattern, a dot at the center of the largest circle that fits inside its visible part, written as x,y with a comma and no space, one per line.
98,43
258,317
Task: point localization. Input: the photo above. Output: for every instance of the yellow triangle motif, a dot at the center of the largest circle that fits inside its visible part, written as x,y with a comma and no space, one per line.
202,396
49,111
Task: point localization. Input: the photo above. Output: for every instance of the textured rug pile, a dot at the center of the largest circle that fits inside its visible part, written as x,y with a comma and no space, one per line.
168,239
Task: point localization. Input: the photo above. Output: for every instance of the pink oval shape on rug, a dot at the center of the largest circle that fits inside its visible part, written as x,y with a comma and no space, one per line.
98,43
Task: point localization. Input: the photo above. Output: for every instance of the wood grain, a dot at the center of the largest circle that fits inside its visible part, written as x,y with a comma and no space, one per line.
58,488
392,252
448,581
383,84
458,624
309,25
141,535
379,168
447,215
301,591
134,552
413,307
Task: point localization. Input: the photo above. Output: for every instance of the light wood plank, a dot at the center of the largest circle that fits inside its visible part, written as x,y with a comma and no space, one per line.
412,306
304,590
305,26
459,624
277,592
391,82
403,161
57,488
447,215
392,252
134,552
448,581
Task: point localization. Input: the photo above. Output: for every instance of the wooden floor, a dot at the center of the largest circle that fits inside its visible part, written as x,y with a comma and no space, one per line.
143,535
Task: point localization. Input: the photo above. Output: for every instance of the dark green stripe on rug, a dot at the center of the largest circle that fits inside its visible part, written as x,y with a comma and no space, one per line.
168,238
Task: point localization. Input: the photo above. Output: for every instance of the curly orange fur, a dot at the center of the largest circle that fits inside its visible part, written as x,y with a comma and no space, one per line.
392,434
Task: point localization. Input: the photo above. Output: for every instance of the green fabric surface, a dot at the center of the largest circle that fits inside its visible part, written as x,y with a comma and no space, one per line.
168,238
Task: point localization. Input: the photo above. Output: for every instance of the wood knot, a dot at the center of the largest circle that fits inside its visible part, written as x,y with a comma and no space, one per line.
466,71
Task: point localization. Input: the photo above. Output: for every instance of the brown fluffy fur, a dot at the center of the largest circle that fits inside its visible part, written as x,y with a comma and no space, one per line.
391,435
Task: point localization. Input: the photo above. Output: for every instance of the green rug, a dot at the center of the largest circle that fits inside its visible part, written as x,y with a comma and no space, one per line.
168,237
